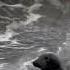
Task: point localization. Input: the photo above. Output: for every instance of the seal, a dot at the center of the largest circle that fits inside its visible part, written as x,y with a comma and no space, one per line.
48,61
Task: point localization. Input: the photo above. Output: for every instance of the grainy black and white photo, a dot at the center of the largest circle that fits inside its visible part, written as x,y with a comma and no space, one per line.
34,34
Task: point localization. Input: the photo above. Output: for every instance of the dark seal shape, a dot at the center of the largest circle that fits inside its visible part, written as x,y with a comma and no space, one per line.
48,62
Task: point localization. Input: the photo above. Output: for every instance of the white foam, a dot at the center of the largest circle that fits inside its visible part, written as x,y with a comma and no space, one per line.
2,66
31,18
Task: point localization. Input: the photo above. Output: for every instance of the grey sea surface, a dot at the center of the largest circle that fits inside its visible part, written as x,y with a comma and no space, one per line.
27,26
